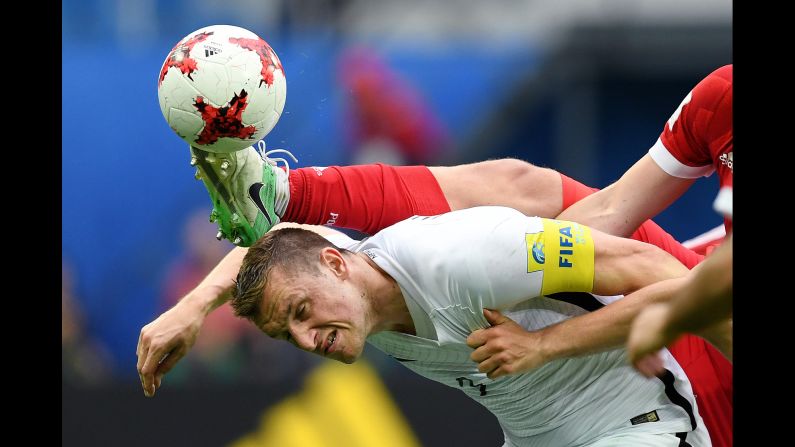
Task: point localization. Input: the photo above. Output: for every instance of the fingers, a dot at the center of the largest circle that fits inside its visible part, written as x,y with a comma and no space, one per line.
477,338
142,351
147,376
485,355
638,350
498,372
480,336
138,347
494,317
494,366
167,364
158,376
482,353
650,365
489,365
152,361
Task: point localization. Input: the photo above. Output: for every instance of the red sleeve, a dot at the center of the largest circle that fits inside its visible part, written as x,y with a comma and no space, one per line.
688,144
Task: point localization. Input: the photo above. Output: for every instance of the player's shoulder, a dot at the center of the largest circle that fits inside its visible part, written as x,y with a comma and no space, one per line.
715,86
474,214
724,73
479,218
451,229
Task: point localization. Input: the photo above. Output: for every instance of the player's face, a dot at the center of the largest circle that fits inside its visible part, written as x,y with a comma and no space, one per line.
317,313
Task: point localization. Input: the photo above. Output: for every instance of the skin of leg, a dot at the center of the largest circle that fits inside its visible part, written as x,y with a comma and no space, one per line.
533,190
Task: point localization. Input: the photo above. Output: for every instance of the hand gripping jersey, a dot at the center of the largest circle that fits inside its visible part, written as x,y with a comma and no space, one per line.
449,267
698,138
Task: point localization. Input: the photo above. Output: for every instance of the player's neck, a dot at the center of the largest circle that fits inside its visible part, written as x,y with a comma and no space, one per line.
388,308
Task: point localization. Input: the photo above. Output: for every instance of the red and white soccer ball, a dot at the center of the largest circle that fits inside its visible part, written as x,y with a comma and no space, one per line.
222,88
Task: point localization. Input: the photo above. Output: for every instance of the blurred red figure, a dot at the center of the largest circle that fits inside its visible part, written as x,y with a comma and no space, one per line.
388,120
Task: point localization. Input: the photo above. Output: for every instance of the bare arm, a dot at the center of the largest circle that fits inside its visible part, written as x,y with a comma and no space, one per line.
604,329
216,288
701,303
166,340
707,297
622,266
640,194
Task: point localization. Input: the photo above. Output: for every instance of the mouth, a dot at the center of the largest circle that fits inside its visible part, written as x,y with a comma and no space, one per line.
329,345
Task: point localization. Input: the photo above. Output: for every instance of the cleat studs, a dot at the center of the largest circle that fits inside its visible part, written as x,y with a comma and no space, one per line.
219,236
237,240
193,160
197,175
235,218
213,216
224,165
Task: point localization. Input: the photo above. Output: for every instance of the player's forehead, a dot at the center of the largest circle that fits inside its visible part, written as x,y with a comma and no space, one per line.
276,305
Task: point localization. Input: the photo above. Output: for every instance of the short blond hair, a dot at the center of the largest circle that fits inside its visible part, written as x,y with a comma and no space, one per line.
294,250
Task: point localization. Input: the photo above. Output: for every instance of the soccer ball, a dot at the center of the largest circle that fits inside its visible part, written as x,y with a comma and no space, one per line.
222,88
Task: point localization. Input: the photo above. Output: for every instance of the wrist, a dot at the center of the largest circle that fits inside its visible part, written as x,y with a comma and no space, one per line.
670,328
205,299
548,344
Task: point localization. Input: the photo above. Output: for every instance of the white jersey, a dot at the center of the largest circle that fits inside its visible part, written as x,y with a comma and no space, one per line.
449,267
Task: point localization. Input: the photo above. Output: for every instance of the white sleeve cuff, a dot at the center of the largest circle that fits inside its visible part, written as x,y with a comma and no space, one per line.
662,156
723,203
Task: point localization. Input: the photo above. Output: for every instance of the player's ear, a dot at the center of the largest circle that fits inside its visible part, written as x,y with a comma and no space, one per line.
333,259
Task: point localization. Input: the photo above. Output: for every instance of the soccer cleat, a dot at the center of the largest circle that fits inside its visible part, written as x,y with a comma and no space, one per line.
249,192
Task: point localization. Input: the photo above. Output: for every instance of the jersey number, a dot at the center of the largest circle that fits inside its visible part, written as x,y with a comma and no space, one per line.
461,380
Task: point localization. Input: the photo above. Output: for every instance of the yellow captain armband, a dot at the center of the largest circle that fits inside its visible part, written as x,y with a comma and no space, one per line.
563,251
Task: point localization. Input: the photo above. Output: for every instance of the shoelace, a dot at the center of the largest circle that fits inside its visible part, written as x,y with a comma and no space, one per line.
272,161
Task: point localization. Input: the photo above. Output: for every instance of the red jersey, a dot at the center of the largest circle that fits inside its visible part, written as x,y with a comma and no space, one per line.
698,139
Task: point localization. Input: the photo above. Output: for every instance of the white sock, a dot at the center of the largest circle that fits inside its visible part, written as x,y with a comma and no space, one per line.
282,191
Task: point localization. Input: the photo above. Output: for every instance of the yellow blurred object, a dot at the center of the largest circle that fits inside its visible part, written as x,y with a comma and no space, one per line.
340,406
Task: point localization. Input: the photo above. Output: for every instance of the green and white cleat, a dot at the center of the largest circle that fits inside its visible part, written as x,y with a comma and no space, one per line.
249,192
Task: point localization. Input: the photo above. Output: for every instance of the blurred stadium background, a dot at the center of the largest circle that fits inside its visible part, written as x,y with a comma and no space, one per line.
582,86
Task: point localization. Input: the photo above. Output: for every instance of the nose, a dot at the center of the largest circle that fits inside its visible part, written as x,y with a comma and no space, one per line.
304,339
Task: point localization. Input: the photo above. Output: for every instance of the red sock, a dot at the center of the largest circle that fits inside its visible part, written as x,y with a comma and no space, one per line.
365,198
